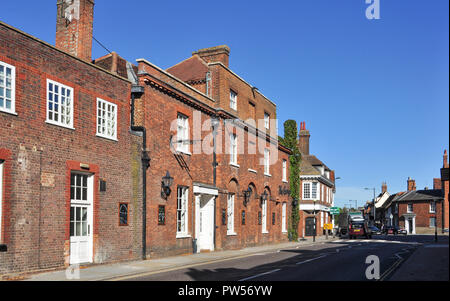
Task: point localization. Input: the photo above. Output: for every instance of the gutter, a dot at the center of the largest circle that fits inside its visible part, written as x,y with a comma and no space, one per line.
137,90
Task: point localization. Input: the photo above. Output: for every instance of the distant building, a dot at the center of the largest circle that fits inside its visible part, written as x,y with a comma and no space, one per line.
317,189
418,211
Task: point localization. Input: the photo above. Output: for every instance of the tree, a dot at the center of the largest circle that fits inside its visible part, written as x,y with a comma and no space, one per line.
290,141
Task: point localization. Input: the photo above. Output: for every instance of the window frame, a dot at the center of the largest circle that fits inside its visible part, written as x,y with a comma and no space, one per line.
183,137
433,218
1,199
47,100
231,197
266,121
264,217
433,207
233,149
283,218
233,100
267,162
412,208
284,170
13,89
182,200
116,113
310,186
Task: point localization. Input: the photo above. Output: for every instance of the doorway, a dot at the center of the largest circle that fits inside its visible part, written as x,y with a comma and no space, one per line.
204,208
81,218
310,226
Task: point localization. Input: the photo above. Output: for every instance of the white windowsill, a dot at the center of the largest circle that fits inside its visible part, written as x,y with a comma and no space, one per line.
179,236
9,112
184,152
106,137
235,165
265,232
284,181
59,124
252,170
267,175
284,231
232,234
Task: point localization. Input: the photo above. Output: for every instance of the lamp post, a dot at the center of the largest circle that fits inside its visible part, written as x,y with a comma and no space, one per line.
374,209
315,223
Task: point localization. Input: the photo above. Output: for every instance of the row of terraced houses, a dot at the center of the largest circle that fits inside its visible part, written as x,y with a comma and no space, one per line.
106,160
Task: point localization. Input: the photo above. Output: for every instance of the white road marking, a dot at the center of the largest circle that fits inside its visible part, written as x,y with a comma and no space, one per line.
309,260
259,275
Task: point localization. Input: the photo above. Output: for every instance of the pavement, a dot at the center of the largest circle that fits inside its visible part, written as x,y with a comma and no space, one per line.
107,272
428,263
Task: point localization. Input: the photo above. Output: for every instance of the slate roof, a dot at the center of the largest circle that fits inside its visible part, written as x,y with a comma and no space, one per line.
421,195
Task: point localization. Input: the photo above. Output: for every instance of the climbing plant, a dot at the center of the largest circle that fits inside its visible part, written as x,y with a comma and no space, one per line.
290,141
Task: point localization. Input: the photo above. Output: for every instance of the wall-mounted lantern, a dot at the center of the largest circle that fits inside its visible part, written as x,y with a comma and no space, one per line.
264,197
167,181
247,194
294,203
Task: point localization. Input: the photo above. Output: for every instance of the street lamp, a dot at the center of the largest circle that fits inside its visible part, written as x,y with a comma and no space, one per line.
374,209
315,223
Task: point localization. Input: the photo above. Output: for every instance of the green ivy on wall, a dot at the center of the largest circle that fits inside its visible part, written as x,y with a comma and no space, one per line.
290,141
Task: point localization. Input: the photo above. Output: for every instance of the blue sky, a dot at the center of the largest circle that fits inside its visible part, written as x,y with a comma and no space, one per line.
373,93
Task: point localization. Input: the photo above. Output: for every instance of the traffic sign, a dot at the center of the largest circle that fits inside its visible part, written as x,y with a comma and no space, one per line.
335,210
328,226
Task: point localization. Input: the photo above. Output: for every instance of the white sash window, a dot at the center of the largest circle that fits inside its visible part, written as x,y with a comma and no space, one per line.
7,88
230,217
59,104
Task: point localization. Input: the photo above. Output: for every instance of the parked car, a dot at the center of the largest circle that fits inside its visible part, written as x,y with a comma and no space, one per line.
374,230
394,230
402,231
358,228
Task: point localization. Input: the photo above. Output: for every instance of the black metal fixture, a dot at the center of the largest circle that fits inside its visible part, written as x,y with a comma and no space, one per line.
294,202
283,190
247,194
264,197
167,181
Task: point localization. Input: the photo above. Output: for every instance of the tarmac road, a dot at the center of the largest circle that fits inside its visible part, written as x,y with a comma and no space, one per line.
336,260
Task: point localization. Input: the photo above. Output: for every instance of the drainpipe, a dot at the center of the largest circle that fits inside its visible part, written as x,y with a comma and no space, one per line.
215,124
135,91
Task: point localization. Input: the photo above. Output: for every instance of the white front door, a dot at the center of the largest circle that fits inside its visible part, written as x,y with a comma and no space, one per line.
81,218
205,222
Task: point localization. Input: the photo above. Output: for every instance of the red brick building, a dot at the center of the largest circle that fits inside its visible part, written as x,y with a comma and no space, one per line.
193,164
222,187
419,211
69,165
317,188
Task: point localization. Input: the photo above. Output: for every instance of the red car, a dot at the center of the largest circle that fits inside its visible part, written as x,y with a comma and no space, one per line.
358,228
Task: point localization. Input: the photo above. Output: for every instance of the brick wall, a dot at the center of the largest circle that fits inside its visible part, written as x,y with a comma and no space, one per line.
36,202
423,215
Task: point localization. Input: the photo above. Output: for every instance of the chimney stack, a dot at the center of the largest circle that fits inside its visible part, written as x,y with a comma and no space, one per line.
437,183
384,187
303,143
445,159
74,27
215,54
411,184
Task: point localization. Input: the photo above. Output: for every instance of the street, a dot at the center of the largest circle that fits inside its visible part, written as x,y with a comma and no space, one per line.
333,260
